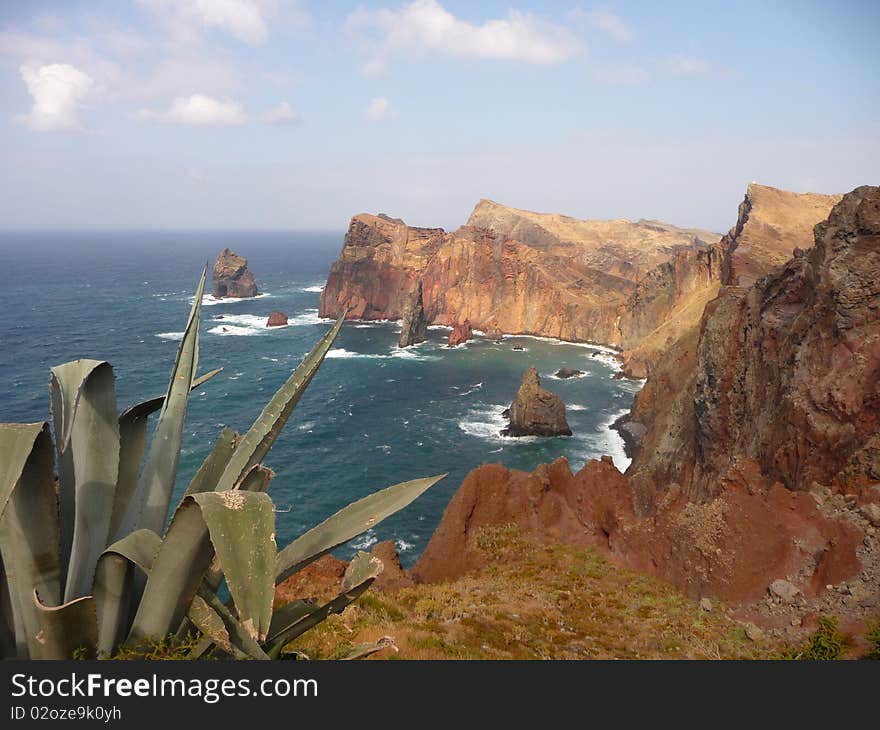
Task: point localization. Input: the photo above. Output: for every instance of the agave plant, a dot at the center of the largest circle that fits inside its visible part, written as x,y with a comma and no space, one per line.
88,564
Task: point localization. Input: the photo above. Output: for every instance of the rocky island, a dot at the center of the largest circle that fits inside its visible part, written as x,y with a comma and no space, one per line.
536,411
232,278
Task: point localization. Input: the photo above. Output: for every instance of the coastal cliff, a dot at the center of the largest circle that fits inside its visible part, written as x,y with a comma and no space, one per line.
667,405
515,271
760,468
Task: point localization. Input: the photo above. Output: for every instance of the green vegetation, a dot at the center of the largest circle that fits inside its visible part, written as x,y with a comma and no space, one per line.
825,643
97,573
537,601
874,642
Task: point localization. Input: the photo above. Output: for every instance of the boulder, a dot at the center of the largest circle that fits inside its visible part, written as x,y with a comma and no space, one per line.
461,333
414,327
232,278
277,319
393,577
565,373
535,411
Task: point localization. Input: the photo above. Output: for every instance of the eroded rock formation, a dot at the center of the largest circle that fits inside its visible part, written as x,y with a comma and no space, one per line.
536,411
731,547
507,270
232,278
276,319
414,325
729,355
461,333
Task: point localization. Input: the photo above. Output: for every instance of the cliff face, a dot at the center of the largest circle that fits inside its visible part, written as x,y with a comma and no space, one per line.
788,372
232,278
415,325
771,224
513,270
731,548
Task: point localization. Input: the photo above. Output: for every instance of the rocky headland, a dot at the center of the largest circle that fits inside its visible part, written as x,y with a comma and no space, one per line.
518,272
232,278
756,461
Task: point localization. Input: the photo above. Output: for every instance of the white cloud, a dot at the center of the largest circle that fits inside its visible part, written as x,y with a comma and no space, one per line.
686,65
282,114
622,75
58,91
608,23
378,109
424,26
201,110
245,20
198,110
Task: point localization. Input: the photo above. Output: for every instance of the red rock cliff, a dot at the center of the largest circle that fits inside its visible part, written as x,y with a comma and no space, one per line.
519,271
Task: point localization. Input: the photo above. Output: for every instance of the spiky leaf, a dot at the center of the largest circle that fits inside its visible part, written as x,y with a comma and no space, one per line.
262,434
132,441
148,507
359,576
209,473
113,581
347,524
69,631
242,529
90,433
29,544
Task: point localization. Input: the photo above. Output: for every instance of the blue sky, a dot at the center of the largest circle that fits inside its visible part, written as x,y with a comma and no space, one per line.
282,114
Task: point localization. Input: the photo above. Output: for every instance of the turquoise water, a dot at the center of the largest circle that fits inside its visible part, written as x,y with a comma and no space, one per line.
373,416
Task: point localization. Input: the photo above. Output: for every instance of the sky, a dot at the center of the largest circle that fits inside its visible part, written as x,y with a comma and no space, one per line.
290,114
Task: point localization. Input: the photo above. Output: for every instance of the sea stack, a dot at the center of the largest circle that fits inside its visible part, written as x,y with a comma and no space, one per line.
461,333
415,323
232,278
535,411
276,319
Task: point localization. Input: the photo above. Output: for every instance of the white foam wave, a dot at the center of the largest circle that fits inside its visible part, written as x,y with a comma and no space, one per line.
609,360
575,407
486,422
170,335
317,288
365,541
245,320
403,545
554,376
209,300
233,330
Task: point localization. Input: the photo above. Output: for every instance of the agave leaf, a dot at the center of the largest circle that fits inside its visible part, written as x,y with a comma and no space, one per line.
133,439
361,651
257,479
242,529
29,546
113,581
359,576
68,631
347,524
212,467
90,432
178,568
241,639
285,616
209,622
262,434
7,618
148,507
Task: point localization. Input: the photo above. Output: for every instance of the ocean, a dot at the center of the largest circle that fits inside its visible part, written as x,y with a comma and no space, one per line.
373,416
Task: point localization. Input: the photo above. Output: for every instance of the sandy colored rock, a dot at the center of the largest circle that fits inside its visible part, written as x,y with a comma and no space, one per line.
507,270
232,278
536,411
